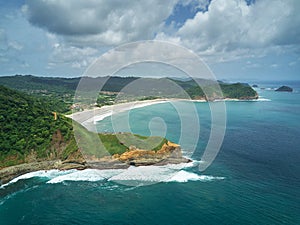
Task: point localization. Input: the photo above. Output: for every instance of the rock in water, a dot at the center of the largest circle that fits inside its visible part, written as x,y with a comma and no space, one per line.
285,88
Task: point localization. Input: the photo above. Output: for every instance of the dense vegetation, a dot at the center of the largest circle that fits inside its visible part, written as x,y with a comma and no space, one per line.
234,91
59,92
29,131
238,90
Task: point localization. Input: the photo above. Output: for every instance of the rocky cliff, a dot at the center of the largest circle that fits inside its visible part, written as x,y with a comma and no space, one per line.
169,153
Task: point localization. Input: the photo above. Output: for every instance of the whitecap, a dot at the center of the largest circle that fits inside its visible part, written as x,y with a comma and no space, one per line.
86,175
133,176
262,100
41,173
184,176
143,174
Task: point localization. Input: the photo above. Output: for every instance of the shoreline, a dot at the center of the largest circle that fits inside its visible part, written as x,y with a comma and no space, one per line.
170,153
8,174
85,118
96,114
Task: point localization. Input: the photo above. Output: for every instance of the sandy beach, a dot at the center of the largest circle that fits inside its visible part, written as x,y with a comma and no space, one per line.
88,118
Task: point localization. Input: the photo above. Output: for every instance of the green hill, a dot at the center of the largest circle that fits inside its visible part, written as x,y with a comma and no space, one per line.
233,91
29,131
59,92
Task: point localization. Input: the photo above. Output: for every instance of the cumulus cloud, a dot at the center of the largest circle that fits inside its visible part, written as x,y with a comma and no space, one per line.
223,28
233,26
196,4
106,22
69,55
8,48
218,30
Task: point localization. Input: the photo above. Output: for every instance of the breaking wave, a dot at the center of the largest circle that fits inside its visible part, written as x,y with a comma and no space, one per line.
262,100
133,176
41,173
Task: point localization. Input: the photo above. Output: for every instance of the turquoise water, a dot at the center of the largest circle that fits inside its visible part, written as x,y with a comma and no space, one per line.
253,180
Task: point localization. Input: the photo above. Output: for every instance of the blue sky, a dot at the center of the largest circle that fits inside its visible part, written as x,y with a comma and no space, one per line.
238,39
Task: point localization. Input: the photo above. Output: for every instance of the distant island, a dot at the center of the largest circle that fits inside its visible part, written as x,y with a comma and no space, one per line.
285,89
36,134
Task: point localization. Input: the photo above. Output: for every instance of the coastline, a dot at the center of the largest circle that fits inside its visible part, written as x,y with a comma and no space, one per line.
170,153
98,114
8,174
89,116
85,118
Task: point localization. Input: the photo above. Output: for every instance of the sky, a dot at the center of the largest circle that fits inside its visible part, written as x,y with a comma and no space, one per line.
237,39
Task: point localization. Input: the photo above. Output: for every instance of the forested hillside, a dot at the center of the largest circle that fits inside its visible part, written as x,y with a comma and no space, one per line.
59,92
29,130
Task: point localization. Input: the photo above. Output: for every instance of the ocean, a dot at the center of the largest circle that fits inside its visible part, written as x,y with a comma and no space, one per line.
255,178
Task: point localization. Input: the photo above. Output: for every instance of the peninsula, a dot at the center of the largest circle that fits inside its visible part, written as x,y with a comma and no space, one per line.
34,138
36,134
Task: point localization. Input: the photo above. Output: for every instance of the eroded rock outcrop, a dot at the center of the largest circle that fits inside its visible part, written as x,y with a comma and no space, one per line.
169,153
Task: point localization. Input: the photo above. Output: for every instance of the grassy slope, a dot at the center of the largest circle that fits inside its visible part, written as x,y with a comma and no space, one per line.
106,144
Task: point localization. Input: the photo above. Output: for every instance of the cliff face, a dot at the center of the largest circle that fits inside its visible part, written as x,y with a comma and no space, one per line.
169,153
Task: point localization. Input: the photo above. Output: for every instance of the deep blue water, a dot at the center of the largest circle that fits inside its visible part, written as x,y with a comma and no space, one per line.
259,163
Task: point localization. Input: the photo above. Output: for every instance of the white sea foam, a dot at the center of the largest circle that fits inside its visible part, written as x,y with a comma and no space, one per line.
133,176
41,173
137,175
144,174
184,176
85,175
262,100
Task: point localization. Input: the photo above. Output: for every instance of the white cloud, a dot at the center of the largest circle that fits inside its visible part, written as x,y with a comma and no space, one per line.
69,35
9,49
76,57
15,45
100,22
63,54
231,29
196,4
